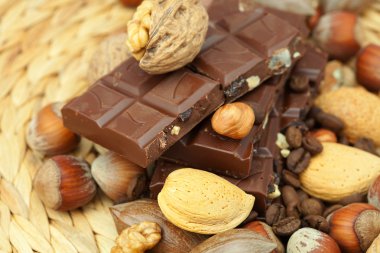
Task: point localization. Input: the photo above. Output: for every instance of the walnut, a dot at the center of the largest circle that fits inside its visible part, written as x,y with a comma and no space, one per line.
165,35
138,238
112,52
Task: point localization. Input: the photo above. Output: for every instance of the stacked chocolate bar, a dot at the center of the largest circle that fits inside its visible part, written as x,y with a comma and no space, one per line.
164,120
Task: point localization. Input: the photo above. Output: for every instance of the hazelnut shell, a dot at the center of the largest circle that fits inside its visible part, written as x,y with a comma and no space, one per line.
368,66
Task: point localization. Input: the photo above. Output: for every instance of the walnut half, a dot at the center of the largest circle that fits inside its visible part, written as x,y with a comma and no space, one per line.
138,238
165,35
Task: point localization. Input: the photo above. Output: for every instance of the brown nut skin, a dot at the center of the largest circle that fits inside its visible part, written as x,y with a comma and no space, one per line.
336,33
233,120
174,239
47,134
374,193
355,226
309,240
118,178
324,135
131,3
367,67
266,231
64,183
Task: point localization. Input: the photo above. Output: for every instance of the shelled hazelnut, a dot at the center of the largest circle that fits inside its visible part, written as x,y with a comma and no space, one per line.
233,120
118,178
64,183
47,134
337,33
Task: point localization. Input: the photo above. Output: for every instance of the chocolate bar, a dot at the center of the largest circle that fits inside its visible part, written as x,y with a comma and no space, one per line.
258,184
204,148
140,116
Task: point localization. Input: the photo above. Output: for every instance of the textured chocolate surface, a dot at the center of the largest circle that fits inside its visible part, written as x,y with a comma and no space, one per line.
137,115
140,116
203,148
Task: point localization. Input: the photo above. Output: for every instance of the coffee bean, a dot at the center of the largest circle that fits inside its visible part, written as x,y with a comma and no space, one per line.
343,140
330,121
310,123
292,211
354,198
317,222
251,217
287,226
329,210
274,214
291,201
366,145
291,179
302,195
312,144
298,160
311,206
294,137
299,83
314,111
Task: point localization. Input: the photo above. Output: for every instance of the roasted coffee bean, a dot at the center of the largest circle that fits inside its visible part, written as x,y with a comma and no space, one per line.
298,160
312,144
299,83
317,222
291,179
311,206
294,137
329,210
354,198
366,145
302,195
310,123
330,121
343,140
275,213
287,226
314,111
291,200
251,217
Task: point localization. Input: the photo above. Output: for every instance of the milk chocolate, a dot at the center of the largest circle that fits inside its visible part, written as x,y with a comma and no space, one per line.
140,116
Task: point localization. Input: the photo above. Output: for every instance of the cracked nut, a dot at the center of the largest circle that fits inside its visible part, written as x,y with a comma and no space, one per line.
265,230
202,202
138,238
233,120
338,172
118,178
166,35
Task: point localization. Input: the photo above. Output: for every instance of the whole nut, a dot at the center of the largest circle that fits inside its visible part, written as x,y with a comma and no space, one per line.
337,34
324,135
309,240
348,5
64,183
375,246
202,202
173,238
344,103
131,3
118,178
374,193
367,67
338,172
266,231
355,226
236,241
233,120
47,134
167,35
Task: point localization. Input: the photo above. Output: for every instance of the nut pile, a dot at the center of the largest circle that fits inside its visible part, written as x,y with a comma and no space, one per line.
325,193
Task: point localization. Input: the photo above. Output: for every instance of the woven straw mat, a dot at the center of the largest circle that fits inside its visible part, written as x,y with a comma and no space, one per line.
45,50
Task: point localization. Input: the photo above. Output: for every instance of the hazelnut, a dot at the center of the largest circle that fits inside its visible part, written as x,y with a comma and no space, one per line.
131,3
324,135
355,226
374,193
118,178
266,231
336,76
367,67
337,34
47,134
309,240
233,120
167,35
64,183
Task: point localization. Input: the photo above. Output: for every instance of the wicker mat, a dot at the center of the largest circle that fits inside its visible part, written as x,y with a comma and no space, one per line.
45,50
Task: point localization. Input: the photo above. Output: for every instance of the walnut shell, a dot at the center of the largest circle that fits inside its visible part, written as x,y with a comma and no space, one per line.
176,35
202,202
